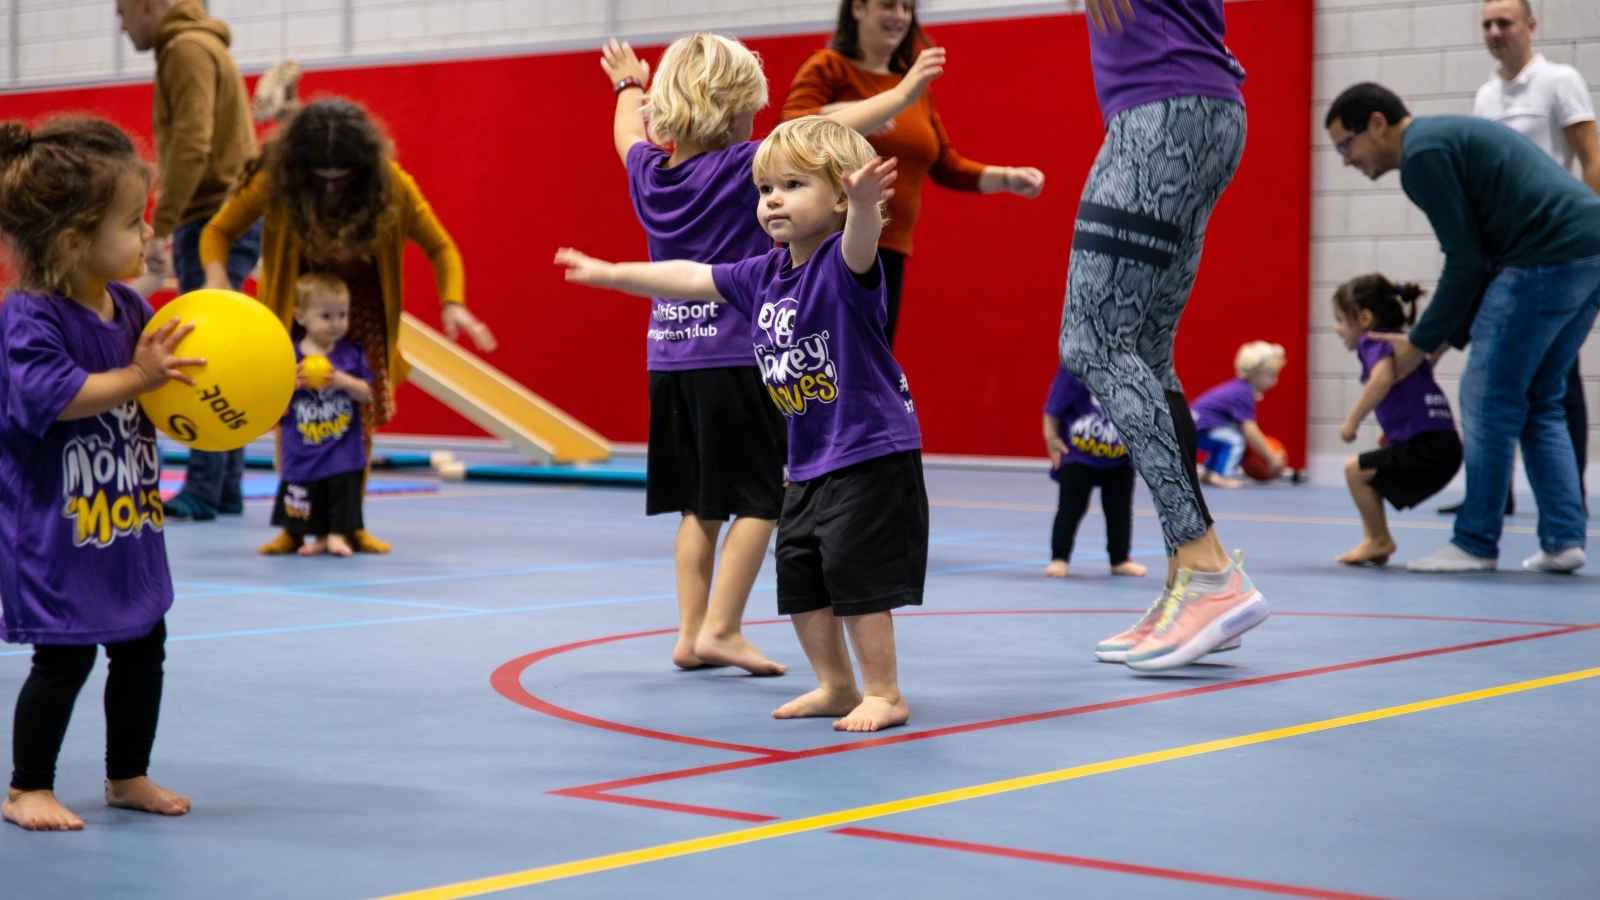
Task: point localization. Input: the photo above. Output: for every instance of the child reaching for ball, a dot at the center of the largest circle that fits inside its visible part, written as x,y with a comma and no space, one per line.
321,462
1225,416
85,560
1421,451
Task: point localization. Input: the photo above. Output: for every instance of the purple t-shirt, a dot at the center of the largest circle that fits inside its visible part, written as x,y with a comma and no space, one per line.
84,559
1230,403
1090,437
322,429
703,209
1414,405
1171,48
818,333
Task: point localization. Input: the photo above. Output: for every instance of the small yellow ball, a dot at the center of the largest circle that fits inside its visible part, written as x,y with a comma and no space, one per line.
316,370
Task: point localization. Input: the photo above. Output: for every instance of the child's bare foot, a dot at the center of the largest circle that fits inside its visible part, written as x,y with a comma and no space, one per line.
820,702
39,811
1221,481
1368,553
143,795
735,651
314,547
1128,567
1056,569
875,714
338,546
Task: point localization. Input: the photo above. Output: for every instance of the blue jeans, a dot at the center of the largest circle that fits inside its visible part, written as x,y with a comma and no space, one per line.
216,478
1524,340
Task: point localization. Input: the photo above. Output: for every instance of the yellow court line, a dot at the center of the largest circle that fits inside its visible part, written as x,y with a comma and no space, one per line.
734,838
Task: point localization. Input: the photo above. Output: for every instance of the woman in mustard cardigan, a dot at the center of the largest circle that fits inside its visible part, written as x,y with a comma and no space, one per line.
332,199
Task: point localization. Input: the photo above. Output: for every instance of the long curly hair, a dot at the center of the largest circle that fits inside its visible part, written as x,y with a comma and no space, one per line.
56,178
331,133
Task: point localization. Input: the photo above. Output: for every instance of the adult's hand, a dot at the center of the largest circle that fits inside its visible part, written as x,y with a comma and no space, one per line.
1025,181
928,66
158,256
1108,15
457,318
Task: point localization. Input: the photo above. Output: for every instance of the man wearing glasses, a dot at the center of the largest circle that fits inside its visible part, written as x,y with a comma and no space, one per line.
1506,215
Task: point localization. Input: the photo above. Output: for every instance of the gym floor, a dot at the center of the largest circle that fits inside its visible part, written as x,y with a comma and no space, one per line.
492,709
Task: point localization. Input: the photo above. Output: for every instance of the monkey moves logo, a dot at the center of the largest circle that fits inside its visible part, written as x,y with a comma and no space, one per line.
111,479
796,371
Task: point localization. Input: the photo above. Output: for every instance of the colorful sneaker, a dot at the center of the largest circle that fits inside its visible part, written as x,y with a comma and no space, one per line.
1115,649
1193,623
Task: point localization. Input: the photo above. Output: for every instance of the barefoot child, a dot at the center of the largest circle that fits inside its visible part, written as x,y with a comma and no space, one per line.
322,463
853,532
1091,454
716,444
93,569
1421,451
1225,416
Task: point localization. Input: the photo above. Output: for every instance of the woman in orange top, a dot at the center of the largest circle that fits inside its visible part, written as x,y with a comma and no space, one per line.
873,46
332,199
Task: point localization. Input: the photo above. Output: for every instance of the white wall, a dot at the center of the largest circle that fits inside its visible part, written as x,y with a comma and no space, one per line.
71,41
1430,52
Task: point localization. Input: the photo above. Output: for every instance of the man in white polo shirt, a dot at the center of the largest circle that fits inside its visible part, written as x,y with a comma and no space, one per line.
1549,104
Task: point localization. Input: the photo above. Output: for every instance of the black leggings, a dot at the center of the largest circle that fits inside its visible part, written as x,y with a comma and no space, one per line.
1116,501
894,278
133,703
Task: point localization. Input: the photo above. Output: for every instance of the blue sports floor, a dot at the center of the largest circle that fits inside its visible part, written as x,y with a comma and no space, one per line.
492,709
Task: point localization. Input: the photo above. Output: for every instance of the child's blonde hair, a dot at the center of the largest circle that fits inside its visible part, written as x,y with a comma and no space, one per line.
317,284
1256,355
816,146
705,81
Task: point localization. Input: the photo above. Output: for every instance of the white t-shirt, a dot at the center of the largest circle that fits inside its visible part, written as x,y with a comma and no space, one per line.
1539,104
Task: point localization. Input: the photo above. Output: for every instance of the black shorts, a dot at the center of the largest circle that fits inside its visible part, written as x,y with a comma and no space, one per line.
1412,471
329,506
717,445
855,539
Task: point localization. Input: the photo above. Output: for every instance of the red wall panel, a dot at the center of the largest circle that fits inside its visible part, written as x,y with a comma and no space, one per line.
515,155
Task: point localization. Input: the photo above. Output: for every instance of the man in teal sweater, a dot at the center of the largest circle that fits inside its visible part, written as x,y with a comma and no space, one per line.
1521,281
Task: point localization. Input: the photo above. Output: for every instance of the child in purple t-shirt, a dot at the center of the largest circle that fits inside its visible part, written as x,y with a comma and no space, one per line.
853,533
1225,416
321,460
716,444
1421,451
1087,452
81,519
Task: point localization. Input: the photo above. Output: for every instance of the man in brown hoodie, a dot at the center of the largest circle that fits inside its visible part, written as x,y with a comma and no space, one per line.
204,137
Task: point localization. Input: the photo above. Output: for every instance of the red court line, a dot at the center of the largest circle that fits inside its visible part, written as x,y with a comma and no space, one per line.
1104,865
907,737
689,809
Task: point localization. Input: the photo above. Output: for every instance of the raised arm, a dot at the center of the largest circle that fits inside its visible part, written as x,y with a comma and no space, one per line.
628,75
679,279
1379,381
875,112
867,189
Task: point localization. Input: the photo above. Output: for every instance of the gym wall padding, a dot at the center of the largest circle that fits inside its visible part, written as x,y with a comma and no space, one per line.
515,155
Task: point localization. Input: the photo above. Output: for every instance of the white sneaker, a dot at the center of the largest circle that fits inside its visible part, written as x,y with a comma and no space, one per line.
1451,558
1564,563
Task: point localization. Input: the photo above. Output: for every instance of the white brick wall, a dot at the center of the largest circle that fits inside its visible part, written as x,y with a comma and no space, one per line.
1431,53
74,41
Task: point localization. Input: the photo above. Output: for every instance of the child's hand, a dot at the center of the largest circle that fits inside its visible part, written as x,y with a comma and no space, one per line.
1347,433
870,184
928,66
1056,448
584,269
1025,181
153,357
617,58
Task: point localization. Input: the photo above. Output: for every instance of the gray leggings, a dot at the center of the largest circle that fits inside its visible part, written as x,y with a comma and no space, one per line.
1140,229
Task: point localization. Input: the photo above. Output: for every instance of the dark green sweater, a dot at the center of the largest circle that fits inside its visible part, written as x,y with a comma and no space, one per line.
1495,201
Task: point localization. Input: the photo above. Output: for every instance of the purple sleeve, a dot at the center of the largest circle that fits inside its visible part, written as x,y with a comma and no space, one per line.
1243,405
739,282
641,157
1064,391
1371,351
865,291
41,376
352,361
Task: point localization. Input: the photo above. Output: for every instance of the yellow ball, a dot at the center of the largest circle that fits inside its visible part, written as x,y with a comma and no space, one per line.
316,370
245,385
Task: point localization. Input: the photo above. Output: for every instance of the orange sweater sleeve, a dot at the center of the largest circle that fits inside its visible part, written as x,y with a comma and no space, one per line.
818,83
233,220
951,169
425,230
